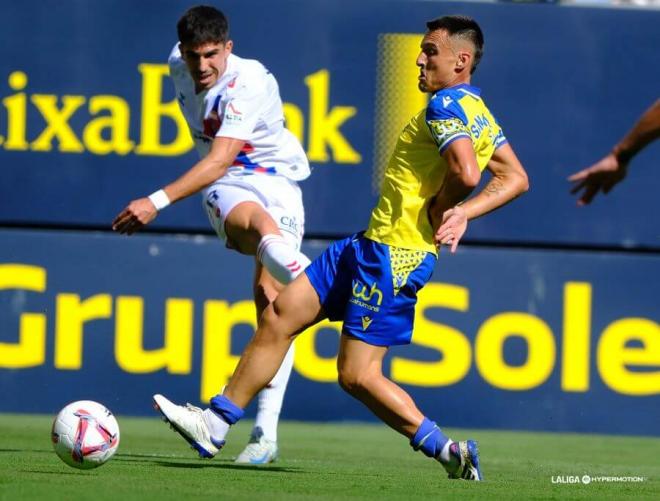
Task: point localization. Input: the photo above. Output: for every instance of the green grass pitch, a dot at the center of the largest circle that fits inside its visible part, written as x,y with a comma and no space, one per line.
323,461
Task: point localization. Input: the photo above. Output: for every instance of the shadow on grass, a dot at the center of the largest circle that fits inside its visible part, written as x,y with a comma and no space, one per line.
58,472
179,462
136,456
230,466
8,451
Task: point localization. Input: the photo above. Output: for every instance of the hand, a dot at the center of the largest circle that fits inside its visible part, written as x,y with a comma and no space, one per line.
139,213
603,175
452,228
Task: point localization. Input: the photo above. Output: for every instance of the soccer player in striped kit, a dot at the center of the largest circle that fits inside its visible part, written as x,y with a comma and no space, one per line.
248,174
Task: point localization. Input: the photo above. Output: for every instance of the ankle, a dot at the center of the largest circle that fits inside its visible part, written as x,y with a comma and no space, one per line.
217,426
450,458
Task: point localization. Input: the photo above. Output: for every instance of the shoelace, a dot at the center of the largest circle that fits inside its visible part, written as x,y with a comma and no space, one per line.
196,410
467,473
193,408
256,449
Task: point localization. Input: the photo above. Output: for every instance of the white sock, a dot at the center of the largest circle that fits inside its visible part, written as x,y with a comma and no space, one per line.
280,259
445,456
271,397
217,426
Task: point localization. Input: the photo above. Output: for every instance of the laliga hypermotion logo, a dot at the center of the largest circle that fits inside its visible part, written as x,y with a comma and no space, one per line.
232,113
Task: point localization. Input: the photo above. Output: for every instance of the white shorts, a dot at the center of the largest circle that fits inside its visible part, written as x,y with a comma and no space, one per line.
278,195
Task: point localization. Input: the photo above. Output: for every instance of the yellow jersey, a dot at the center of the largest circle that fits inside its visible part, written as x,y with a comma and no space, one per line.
416,169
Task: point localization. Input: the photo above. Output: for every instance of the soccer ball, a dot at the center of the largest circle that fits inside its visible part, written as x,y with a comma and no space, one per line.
85,434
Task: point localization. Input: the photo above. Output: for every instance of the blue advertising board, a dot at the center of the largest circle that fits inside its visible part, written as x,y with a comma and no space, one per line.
520,339
88,119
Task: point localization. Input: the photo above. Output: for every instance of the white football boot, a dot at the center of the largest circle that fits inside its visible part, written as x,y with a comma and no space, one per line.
469,468
188,422
259,450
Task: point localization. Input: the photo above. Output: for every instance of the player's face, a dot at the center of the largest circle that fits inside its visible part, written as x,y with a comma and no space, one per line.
438,62
206,62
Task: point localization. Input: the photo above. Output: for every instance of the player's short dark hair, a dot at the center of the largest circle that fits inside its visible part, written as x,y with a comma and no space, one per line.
202,24
464,27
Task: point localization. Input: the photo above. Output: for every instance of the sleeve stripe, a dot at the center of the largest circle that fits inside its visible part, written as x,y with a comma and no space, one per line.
442,147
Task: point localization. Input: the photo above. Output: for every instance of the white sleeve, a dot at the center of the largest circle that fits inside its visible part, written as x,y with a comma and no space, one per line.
178,74
242,112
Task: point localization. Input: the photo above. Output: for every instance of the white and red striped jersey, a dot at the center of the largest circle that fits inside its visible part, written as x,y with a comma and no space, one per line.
244,104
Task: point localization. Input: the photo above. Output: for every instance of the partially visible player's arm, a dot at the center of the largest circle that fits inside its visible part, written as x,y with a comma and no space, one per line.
645,130
213,166
509,180
612,168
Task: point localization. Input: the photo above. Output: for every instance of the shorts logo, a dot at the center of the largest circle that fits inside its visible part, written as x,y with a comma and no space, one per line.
211,198
290,223
366,322
362,296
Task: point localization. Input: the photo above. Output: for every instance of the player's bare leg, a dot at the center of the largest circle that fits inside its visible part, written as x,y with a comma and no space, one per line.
262,446
295,309
246,225
205,429
264,288
360,374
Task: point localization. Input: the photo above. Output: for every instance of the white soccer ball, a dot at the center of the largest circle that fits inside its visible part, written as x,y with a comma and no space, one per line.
85,434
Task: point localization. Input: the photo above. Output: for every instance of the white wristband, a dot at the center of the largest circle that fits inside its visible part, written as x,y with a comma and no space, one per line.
159,199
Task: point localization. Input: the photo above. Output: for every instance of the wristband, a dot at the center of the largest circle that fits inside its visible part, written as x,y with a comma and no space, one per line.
159,199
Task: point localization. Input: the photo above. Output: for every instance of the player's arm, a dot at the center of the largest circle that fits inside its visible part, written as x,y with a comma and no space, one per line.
462,177
612,169
210,168
447,123
508,181
213,166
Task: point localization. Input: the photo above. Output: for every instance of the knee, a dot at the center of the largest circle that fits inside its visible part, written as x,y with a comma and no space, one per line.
352,380
269,319
272,329
243,241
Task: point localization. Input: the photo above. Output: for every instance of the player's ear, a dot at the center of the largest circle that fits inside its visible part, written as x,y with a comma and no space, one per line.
463,60
229,45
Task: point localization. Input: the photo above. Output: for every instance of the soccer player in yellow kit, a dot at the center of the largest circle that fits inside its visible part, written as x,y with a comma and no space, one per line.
370,280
